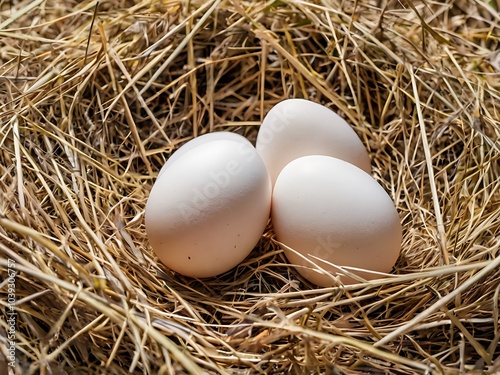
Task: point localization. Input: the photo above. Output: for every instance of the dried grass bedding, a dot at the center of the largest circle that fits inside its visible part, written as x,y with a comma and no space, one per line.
95,96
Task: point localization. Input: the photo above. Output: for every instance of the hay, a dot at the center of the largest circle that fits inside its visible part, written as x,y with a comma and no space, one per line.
96,96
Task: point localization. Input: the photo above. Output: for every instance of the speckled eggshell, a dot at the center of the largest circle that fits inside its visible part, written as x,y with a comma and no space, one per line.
327,208
208,209
299,127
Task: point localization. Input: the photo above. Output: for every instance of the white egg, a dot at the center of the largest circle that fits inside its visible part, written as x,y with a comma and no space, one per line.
195,142
298,127
209,208
334,214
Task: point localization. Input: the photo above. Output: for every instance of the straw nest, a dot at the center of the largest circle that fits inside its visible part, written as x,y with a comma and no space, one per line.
95,96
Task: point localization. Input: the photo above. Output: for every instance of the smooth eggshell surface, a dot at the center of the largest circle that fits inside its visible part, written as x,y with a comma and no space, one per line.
195,142
299,127
209,208
327,208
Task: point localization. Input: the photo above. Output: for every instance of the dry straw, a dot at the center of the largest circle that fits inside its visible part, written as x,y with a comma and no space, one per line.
95,96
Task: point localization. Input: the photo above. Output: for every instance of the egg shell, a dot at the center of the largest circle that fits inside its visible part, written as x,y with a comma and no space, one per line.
330,209
299,127
195,142
209,208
